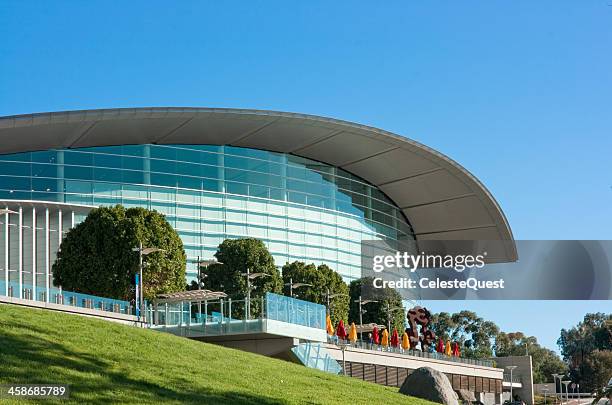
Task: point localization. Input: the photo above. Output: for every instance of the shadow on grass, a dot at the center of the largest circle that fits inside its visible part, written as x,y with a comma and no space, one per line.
29,360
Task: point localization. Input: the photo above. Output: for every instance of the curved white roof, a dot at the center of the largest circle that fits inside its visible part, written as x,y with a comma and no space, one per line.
441,199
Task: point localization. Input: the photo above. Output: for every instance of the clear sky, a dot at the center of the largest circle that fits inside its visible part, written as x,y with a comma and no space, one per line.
518,92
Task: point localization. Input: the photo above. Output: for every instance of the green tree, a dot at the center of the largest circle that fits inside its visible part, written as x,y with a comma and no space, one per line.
545,362
592,334
322,279
235,257
96,256
375,311
597,369
474,334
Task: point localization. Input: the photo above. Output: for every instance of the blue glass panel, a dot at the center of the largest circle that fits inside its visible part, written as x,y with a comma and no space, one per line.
163,166
77,158
163,152
45,156
111,175
111,161
46,185
194,183
78,172
132,150
167,180
15,168
133,177
18,157
44,170
132,163
15,183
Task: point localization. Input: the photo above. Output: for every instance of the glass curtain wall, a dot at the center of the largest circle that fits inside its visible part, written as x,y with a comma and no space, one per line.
302,209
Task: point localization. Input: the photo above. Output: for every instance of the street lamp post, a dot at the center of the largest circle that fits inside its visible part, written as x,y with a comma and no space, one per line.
343,347
329,295
203,264
511,368
566,383
555,376
389,312
293,285
141,253
251,276
361,312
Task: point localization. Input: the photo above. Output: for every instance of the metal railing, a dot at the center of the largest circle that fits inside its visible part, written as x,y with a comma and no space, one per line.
222,316
360,344
63,297
515,378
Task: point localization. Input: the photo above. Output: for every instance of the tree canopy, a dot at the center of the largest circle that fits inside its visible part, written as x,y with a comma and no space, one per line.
545,362
235,256
322,279
587,348
376,311
96,256
482,339
473,333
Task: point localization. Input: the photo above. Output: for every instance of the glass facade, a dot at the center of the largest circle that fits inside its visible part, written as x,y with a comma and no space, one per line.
302,209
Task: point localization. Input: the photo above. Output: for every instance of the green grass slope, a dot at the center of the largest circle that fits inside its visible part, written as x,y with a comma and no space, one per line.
104,363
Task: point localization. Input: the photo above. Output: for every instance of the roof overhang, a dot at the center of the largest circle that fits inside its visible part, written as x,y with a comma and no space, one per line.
441,199
191,295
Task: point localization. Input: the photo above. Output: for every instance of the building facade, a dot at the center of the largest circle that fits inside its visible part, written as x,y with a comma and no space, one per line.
313,189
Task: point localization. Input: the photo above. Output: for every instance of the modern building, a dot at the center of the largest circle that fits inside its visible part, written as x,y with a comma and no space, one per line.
311,188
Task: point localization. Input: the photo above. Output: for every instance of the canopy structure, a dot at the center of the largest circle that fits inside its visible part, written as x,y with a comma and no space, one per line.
440,199
369,327
193,295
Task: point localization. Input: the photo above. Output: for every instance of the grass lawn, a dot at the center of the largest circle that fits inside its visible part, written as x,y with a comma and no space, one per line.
104,363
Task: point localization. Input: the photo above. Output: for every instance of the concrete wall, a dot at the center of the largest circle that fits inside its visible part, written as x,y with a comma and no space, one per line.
268,346
524,371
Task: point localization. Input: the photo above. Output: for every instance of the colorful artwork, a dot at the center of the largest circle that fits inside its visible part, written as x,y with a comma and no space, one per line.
420,317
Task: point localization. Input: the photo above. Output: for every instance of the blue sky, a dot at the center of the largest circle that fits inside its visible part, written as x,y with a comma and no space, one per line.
519,92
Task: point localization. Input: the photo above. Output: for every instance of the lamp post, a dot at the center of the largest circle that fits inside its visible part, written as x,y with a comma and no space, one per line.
139,292
389,312
203,264
555,376
251,276
361,312
329,295
511,368
6,211
566,383
293,285
343,347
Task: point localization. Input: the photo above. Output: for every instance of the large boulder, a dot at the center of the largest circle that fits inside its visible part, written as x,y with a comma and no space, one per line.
430,384
466,396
